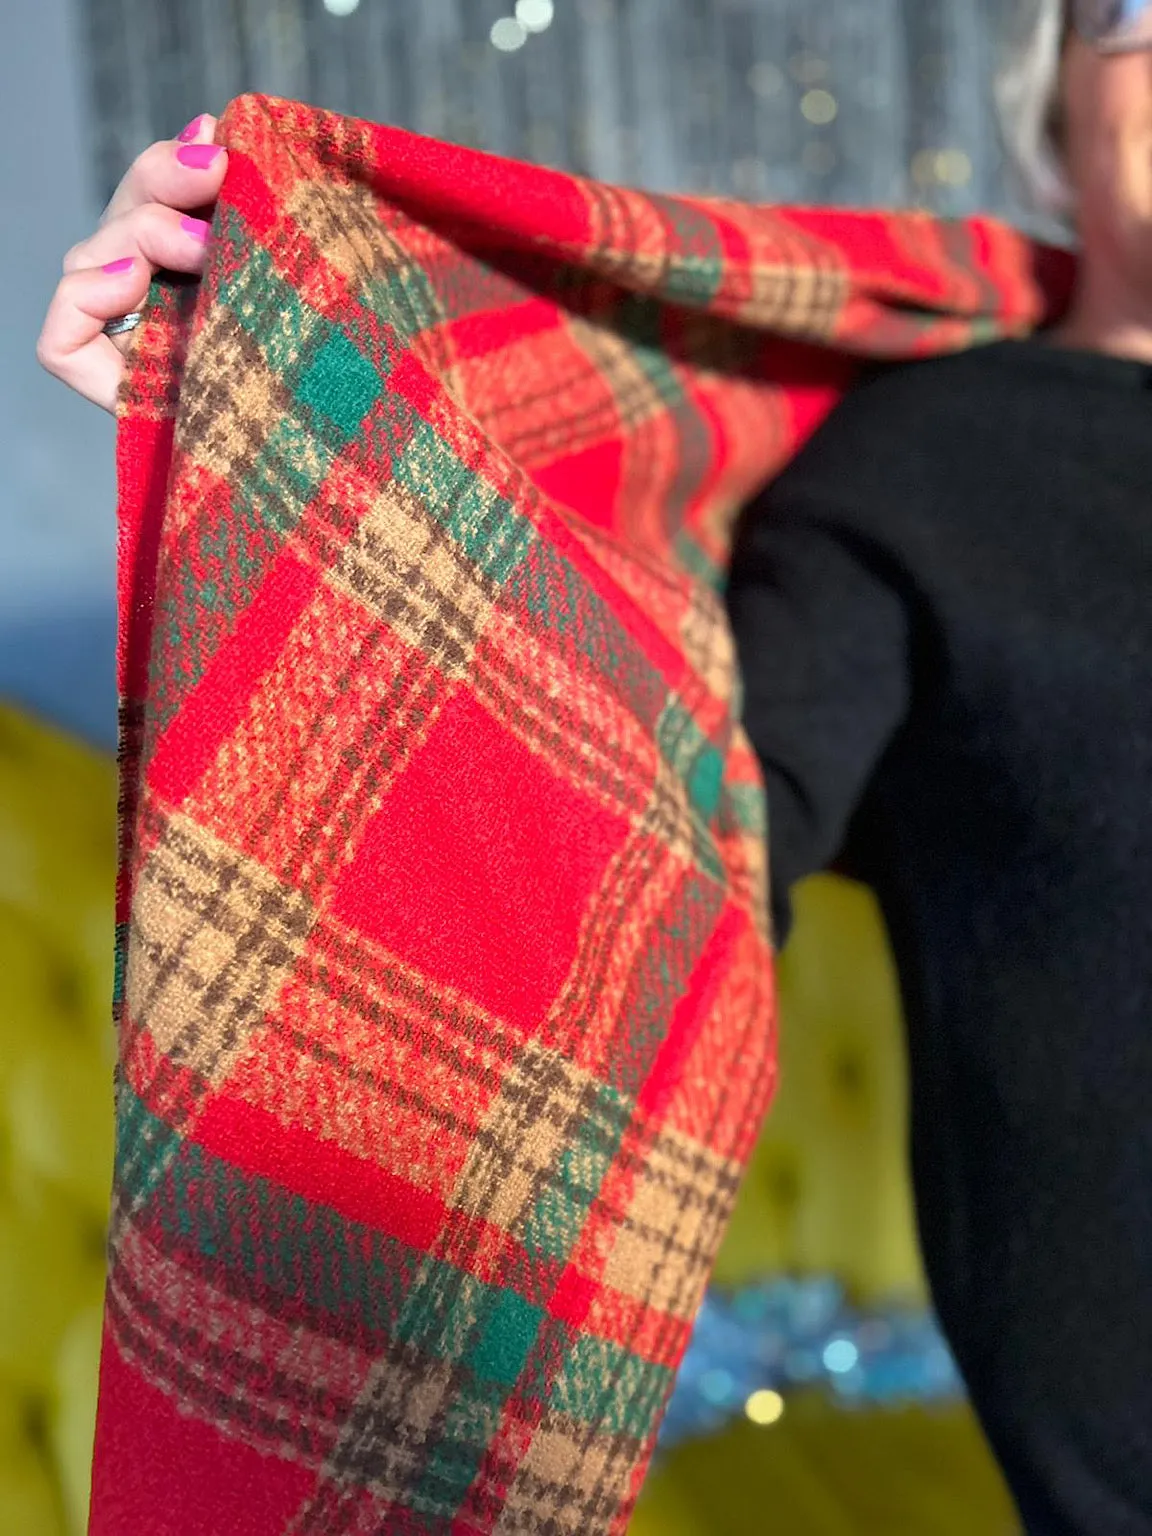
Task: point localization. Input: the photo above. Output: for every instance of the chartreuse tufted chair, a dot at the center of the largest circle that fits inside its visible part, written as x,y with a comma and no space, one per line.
57,862
827,1193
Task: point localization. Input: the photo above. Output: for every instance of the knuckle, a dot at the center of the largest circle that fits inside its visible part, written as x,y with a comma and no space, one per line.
148,221
145,169
45,353
157,153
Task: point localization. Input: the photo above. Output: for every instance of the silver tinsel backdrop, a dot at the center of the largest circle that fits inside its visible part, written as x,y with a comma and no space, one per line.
860,102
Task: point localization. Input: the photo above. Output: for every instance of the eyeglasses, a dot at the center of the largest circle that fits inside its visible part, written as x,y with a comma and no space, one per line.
1114,26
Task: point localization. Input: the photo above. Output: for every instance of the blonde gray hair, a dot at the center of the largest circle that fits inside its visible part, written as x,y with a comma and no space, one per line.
1026,93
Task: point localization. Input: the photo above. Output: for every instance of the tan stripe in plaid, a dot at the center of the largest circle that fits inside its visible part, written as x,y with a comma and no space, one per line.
680,1197
571,1480
564,713
638,884
295,785
214,938
387,1438
581,383
546,1107
356,1028
628,239
342,219
790,283
222,428
403,565
155,356
707,641
362,241
797,286
745,860
399,1421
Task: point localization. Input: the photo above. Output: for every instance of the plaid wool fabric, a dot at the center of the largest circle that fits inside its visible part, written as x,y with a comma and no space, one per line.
446,996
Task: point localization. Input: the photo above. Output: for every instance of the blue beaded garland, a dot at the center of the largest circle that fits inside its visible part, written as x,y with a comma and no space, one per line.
783,1334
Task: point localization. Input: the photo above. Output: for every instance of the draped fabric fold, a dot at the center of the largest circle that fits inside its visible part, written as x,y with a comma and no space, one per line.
445,992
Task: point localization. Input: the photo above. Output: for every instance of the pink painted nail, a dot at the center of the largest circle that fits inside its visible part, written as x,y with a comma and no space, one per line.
197,157
187,134
121,265
197,228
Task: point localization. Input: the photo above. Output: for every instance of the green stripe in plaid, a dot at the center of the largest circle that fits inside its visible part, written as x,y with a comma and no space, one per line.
250,287
579,622
489,530
695,277
664,966
610,1387
202,1208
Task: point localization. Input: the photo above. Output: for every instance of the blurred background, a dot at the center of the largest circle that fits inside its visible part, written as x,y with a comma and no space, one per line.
818,1399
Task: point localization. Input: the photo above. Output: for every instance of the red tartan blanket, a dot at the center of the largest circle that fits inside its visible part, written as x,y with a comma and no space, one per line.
446,993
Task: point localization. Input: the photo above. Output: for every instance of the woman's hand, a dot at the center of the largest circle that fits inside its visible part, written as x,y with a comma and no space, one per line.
147,225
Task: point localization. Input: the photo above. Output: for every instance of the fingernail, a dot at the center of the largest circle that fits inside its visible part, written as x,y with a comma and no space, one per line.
121,265
187,134
197,157
197,228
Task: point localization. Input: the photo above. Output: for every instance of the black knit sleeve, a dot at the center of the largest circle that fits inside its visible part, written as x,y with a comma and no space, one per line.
823,638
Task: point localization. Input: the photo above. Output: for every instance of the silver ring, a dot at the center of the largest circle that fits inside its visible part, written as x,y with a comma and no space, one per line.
121,323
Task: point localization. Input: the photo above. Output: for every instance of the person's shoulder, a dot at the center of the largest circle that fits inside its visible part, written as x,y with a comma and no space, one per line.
926,388
906,437
911,414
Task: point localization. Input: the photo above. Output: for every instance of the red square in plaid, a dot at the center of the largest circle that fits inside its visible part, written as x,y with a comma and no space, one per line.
480,857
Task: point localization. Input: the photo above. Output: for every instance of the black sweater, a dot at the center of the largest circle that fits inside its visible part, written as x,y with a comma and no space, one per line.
942,610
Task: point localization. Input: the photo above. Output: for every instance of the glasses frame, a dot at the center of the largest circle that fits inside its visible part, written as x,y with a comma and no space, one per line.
1113,26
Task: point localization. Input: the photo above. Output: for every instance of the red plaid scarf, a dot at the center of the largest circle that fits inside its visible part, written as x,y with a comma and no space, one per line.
446,1005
